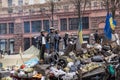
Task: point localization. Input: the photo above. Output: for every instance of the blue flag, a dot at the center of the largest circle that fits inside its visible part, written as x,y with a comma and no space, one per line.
107,29
47,44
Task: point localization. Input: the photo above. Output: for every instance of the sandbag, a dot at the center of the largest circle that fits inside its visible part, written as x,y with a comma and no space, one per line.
106,48
68,49
73,68
97,59
105,53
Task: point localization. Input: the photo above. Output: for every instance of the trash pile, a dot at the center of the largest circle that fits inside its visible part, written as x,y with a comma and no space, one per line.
75,65
26,71
21,66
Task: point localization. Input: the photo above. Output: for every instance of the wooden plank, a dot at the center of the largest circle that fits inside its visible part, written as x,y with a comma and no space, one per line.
4,74
94,72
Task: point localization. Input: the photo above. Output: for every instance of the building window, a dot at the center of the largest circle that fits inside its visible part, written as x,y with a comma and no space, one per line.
34,41
102,5
36,26
20,2
46,25
11,45
55,24
9,3
11,28
3,44
26,43
31,2
73,23
0,3
3,28
42,9
26,27
63,24
88,4
85,23
95,4
86,38
10,10
20,10
66,8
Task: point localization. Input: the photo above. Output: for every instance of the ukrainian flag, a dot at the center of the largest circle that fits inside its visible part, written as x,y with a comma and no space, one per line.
80,33
109,26
47,44
112,22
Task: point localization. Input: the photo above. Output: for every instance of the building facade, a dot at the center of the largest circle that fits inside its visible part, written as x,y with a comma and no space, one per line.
22,20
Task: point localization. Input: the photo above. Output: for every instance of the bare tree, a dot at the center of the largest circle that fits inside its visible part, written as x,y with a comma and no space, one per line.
51,4
80,6
112,6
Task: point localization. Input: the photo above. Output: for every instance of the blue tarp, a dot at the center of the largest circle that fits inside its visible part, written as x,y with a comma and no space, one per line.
32,62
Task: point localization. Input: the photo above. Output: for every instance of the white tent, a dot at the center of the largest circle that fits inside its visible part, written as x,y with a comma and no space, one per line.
10,60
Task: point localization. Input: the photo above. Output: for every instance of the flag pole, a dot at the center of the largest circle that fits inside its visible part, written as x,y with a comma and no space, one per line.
20,52
107,6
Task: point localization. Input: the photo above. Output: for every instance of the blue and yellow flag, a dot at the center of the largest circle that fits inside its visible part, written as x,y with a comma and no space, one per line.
109,26
80,33
112,22
47,44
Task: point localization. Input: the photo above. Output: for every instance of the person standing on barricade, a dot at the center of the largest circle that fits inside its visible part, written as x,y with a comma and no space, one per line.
115,37
42,43
65,39
96,37
50,39
114,40
57,40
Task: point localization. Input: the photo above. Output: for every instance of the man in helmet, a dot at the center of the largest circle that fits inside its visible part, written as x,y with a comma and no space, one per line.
50,39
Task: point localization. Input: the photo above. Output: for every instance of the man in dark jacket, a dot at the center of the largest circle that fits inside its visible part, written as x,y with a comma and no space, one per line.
96,36
57,40
51,39
42,43
65,38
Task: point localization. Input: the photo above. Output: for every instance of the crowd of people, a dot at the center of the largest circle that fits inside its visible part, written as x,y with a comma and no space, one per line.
102,38
50,42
